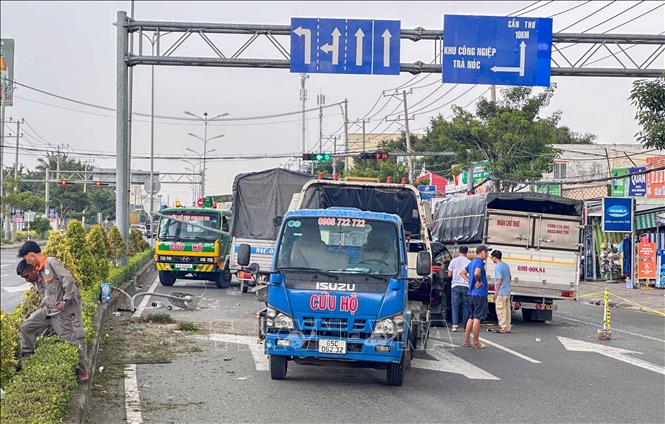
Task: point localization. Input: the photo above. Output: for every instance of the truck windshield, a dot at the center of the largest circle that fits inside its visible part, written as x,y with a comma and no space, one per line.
194,226
339,245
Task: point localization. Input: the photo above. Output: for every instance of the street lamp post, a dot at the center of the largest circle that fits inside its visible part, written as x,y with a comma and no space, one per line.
205,140
201,163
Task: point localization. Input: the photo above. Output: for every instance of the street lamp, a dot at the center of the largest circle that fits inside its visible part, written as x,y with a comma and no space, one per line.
205,140
201,163
192,168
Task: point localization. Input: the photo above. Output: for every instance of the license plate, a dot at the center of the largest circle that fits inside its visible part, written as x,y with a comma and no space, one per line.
332,346
182,266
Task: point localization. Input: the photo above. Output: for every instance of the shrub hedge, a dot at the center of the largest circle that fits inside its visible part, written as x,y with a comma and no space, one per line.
41,391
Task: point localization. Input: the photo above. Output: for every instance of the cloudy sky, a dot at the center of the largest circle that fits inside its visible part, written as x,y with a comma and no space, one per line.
68,48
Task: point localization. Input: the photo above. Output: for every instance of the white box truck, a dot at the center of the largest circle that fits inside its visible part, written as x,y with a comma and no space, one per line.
538,234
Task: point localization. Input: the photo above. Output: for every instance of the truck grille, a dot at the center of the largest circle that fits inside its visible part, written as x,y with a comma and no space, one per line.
331,324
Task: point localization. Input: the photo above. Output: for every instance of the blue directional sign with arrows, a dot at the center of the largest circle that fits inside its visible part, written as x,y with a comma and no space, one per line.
345,46
497,50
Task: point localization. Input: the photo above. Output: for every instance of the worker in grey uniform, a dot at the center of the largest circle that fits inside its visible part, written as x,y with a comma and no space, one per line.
61,304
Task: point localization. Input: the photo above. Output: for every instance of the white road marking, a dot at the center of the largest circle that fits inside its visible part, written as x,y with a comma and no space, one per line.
144,301
2,266
613,329
447,362
4,275
132,399
256,349
512,352
17,289
612,352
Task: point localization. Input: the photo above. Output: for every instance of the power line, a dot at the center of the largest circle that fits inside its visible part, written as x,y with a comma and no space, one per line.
568,10
589,15
634,19
613,17
536,8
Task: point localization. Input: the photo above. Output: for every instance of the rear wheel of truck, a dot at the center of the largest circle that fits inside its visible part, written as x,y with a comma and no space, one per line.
278,366
166,278
395,373
223,279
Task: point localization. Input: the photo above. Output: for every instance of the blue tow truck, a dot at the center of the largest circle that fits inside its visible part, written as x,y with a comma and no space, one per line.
338,292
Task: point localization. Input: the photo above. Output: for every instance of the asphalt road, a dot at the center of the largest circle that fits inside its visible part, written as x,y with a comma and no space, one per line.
552,372
12,286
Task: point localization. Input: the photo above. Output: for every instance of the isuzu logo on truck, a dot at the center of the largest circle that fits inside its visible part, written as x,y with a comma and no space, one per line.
335,286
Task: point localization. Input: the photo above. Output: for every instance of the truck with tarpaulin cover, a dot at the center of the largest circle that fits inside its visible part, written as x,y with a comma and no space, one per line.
338,292
539,236
259,200
404,200
193,243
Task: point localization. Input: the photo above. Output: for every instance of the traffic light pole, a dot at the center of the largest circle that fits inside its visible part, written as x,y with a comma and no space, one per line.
409,160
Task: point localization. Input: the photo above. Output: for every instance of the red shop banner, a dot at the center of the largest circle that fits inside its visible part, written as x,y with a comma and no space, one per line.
646,260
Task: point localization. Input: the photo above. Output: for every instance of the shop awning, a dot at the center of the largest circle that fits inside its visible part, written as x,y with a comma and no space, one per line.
648,220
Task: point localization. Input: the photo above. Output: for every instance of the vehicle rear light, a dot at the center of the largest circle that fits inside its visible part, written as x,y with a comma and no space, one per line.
539,306
436,268
517,305
548,307
241,275
567,294
491,287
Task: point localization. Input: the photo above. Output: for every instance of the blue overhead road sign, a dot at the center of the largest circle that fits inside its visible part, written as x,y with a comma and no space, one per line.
497,50
345,46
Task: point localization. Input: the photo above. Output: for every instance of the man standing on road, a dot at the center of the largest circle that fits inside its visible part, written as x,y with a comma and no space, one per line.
502,291
459,290
477,277
61,304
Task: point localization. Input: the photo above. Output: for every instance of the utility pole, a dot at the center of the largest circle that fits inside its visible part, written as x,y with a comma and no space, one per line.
320,101
303,99
122,162
85,188
364,141
346,135
334,164
18,136
409,160
46,192
493,93
3,228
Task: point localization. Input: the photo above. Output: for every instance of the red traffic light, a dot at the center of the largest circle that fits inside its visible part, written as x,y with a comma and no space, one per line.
98,183
63,182
199,202
381,155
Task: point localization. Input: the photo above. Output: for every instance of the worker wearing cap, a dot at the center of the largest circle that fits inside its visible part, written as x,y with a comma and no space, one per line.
61,304
502,288
475,274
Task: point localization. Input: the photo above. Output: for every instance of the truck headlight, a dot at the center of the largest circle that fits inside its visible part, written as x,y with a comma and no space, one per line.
389,326
279,320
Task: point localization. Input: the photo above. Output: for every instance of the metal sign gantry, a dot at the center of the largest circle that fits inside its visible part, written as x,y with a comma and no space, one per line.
620,46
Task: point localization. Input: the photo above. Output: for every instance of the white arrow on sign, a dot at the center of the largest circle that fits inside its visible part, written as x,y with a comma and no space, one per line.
300,32
386,48
611,352
519,69
334,47
359,46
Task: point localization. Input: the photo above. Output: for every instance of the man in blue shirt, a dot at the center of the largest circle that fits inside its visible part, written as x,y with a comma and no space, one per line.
502,290
477,277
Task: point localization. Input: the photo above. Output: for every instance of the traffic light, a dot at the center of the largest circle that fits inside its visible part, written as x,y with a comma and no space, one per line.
63,182
100,184
318,157
374,155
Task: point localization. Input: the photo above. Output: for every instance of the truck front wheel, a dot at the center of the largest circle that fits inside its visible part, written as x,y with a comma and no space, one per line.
166,278
278,366
395,373
223,279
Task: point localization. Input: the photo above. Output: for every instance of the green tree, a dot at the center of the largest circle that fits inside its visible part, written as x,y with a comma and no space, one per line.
58,247
41,226
95,244
648,96
136,242
102,200
117,247
565,135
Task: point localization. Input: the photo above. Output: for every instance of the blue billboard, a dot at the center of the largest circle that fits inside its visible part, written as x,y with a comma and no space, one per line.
637,184
618,214
497,50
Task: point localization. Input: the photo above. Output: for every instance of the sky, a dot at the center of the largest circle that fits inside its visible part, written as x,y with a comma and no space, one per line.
69,48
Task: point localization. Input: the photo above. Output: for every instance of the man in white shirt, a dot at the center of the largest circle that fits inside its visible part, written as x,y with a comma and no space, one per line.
459,289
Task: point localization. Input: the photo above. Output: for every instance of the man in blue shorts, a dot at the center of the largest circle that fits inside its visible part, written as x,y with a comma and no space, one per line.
477,277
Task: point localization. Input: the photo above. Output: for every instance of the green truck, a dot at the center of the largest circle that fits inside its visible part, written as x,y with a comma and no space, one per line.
193,243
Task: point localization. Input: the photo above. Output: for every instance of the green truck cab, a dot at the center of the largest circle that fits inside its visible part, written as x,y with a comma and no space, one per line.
193,243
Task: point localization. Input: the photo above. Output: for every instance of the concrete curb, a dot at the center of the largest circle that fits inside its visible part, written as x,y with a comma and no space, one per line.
17,245
79,404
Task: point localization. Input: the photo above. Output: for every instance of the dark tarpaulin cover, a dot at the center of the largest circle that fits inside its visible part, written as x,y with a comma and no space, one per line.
258,197
400,201
462,219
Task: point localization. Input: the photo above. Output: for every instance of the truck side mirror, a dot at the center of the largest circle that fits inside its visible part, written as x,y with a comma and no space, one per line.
277,221
424,263
244,254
